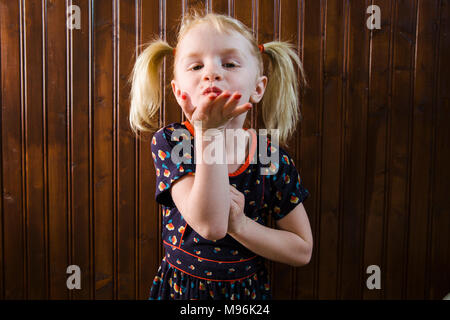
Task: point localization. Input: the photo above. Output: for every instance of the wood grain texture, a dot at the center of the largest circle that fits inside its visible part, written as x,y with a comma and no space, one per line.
372,147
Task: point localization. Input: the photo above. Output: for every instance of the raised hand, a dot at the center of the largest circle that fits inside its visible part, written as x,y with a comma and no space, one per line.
216,111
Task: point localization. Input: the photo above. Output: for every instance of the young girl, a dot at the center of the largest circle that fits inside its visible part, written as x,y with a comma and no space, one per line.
215,212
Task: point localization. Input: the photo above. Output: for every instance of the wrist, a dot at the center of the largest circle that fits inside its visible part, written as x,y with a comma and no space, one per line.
240,227
206,131
212,132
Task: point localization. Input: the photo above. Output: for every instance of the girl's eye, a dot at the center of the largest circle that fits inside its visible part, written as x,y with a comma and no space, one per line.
229,65
197,67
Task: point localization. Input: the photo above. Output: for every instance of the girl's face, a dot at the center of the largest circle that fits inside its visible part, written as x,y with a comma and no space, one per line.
208,59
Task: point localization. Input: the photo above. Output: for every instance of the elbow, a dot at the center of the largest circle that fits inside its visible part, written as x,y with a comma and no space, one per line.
304,257
213,234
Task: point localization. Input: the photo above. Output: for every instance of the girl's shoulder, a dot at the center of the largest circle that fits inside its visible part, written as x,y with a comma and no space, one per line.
273,148
170,133
171,128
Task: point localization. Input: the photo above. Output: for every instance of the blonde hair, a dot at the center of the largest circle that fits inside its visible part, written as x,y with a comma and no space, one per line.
280,105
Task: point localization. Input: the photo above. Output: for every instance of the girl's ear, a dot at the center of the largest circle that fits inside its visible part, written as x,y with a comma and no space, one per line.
175,90
259,90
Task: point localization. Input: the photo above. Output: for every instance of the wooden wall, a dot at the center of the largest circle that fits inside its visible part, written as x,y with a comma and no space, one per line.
373,148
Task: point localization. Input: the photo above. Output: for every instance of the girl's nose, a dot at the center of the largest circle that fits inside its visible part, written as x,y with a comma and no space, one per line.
212,74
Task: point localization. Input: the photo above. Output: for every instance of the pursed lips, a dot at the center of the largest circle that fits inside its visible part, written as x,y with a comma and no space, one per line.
212,89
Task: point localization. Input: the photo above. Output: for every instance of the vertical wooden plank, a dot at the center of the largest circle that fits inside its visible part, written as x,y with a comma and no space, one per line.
34,157
91,150
81,165
148,16
334,77
266,15
355,134
45,145
376,172
312,109
440,245
11,73
243,11
399,153
198,4
2,253
220,6
172,13
127,235
69,140
103,157
304,279
301,278
57,148
425,66
23,139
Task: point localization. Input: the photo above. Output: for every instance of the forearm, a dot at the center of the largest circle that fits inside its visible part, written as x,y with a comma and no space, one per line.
273,244
209,197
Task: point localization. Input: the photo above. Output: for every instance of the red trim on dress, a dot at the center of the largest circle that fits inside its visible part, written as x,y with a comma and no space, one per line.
182,235
206,279
206,259
249,157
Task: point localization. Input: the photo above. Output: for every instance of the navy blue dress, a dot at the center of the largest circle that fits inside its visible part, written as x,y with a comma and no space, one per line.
196,268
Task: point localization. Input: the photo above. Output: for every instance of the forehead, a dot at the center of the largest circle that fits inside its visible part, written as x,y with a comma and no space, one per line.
205,37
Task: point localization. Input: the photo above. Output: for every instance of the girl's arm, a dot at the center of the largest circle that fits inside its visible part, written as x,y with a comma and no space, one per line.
291,245
204,201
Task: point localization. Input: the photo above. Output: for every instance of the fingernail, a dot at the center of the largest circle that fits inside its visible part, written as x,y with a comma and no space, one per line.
183,97
238,96
178,92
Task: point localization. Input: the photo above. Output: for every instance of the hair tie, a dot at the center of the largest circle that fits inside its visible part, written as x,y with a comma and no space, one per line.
174,51
261,48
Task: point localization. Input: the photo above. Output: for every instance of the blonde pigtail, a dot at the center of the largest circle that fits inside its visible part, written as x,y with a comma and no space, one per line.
145,92
280,105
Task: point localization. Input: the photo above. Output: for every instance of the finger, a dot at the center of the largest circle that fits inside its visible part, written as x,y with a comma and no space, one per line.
234,197
186,104
216,101
232,102
236,193
204,108
229,110
233,189
233,201
239,110
221,98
